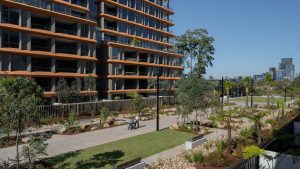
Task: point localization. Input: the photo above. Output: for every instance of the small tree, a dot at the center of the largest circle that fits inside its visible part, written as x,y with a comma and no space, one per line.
66,93
228,117
21,96
90,84
268,80
137,102
103,114
247,83
33,150
227,88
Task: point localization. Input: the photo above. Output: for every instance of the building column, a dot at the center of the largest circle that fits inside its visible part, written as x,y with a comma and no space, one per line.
78,48
28,42
20,40
52,24
83,67
28,63
52,84
78,26
79,66
52,45
94,67
9,62
53,67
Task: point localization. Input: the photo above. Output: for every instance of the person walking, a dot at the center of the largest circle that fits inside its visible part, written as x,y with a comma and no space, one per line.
137,121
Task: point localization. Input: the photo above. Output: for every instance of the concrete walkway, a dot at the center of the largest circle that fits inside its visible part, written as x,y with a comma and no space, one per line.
181,148
59,144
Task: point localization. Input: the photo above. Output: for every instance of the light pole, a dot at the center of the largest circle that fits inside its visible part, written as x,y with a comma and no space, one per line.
157,101
222,92
252,93
285,94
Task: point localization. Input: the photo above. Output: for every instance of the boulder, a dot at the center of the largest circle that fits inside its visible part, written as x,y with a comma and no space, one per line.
84,126
106,125
26,139
93,128
62,130
119,123
110,121
175,126
144,118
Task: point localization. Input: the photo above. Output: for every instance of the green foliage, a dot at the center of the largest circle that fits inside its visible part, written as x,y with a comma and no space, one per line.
90,84
188,157
247,133
20,98
198,157
117,98
252,151
103,114
137,103
197,46
66,93
36,148
71,121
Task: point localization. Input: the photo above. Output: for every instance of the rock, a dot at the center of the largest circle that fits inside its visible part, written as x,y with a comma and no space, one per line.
84,126
175,126
144,118
93,128
26,139
110,121
106,125
192,168
119,123
62,130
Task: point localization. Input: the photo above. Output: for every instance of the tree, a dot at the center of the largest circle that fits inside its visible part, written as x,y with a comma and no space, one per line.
66,93
268,80
228,117
137,102
194,93
227,88
247,83
90,84
20,99
196,46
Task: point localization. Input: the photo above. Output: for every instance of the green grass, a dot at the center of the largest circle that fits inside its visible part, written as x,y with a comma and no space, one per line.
107,155
259,99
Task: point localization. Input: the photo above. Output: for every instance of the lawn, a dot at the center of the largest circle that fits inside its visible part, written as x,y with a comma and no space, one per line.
108,155
259,99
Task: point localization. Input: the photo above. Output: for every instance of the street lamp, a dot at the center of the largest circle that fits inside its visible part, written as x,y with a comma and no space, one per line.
252,93
222,92
157,100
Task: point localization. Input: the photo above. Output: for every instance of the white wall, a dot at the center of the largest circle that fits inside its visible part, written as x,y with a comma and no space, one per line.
281,161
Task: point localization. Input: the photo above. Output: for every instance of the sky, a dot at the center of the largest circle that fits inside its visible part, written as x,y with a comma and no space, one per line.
250,35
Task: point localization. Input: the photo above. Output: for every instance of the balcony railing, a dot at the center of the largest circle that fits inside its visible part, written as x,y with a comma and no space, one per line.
64,50
40,47
10,45
70,70
130,72
129,87
11,21
110,27
130,58
40,69
110,12
40,26
143,60
66,31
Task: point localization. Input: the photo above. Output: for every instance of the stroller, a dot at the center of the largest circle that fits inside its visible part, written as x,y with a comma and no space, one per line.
133,125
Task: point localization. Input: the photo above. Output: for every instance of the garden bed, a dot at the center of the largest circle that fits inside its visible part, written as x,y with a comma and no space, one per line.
10,141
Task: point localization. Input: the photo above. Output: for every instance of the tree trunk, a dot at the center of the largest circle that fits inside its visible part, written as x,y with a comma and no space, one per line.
227,96
247,93
17,144
268,96
228,138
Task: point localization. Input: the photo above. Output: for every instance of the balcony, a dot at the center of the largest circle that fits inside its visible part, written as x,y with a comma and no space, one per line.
130,56
10,15
79,2
65,28
143,57
10,44
40,23
40,44
40,65
45,83
69,48
69,66
143,71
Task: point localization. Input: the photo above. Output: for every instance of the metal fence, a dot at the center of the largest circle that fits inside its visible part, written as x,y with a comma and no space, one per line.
87,107
252,163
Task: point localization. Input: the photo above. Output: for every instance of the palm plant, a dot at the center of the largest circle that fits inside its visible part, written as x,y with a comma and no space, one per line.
227,88
247,82
268,80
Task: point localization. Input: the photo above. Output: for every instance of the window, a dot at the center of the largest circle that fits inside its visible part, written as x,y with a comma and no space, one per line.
18,62
10,39
115,53
84,30
84,49
10,15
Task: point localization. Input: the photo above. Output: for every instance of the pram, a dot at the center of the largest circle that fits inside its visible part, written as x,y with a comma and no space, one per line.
133,125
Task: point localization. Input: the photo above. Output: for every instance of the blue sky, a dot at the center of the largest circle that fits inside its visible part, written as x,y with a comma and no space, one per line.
250,35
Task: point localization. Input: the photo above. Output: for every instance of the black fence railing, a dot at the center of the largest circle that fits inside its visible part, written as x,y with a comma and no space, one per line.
252,163
129,163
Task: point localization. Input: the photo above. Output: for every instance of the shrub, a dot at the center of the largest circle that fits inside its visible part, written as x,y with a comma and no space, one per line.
71,121
198,157
247,133
103,114
188,157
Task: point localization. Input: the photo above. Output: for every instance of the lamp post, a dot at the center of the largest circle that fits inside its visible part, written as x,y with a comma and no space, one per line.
285,93
222,92
252,93
157,101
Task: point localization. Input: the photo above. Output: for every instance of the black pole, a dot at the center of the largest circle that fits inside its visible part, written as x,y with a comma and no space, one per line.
222,92
285,94
157,103
252,92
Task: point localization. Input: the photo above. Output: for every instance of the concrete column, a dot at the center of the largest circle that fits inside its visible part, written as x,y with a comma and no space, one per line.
84,67
88,4
52,24
20,40
78,25
52,84
28,42
9,62
20,17
0,62
28,19
28,63
53,67
94,67
78,48
79,66
53,45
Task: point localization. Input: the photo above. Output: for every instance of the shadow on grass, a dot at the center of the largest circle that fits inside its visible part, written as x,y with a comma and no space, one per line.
60,160
101,160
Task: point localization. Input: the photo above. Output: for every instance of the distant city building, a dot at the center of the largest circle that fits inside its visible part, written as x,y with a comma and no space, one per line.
273,72
297,75
258,77
286,69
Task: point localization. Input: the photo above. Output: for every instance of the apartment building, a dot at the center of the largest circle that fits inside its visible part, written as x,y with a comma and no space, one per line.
48,40
135,47
122,43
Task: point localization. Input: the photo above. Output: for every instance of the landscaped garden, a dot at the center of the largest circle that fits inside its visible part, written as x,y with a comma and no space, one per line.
260,99
108,155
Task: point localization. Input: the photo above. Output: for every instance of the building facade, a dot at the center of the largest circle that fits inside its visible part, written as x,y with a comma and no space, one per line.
122,43
286,69
135,47
273,72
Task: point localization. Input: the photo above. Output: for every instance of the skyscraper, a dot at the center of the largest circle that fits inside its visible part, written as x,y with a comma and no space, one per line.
286,69
273,72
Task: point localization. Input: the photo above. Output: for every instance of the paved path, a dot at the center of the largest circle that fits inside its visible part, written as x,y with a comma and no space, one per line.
181,148
62,144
